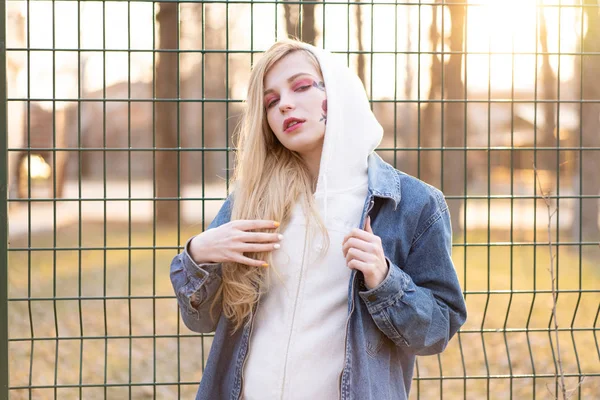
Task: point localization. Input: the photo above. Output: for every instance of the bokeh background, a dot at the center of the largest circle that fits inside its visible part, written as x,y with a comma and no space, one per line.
120,117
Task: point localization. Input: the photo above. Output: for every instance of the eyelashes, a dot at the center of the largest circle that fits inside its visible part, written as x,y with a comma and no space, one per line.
299,87
271,103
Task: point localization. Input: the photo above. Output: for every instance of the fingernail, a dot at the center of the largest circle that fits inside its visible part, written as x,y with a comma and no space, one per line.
276,224
265,265
280,236
277,245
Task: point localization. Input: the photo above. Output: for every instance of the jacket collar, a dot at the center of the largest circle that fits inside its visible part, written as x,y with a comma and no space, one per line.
383,179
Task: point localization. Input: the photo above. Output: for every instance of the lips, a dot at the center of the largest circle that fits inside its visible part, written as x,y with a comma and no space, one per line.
292,123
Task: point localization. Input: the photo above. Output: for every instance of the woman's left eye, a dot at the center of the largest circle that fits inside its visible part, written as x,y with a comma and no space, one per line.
303,87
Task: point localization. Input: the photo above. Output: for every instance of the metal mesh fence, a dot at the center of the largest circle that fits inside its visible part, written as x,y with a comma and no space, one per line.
119,120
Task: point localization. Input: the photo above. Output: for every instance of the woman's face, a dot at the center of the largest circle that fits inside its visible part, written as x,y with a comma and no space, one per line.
296,105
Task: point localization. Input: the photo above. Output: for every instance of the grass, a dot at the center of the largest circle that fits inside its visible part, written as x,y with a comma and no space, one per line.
142,340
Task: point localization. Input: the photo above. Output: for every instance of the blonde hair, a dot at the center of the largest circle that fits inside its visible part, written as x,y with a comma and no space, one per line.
269,180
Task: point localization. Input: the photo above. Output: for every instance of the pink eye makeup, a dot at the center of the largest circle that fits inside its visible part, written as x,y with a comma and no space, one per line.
269,100
299,85
303,82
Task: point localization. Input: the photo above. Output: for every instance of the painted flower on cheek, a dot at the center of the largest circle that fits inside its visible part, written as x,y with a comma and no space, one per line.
324,114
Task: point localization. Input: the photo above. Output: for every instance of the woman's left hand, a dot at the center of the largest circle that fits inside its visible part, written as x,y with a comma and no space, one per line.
363,252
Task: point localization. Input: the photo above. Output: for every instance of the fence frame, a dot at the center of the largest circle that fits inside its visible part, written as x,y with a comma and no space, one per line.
4,245
4,373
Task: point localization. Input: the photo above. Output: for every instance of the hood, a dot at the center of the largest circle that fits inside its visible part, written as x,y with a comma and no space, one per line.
352,132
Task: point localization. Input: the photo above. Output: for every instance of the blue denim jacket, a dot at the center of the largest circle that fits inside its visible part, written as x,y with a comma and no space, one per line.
415,310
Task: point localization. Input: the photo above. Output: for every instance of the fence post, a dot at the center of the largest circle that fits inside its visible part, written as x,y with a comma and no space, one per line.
3,212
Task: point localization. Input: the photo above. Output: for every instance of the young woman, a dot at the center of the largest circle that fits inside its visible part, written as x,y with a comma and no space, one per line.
326,271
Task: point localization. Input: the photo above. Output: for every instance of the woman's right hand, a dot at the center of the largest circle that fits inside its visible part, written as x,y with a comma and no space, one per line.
229,242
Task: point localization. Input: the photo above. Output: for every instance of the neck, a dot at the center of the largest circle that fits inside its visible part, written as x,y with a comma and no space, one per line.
313,162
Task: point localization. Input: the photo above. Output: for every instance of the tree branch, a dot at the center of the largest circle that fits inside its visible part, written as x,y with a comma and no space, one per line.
561,373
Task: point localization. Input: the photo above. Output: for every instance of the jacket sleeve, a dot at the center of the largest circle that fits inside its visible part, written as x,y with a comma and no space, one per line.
421,306
199,283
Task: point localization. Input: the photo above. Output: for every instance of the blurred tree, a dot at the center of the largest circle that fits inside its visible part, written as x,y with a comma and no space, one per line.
166,112
408,80
430,124
301,20
590,128
454,113
362,73
15,63
453,179
206,122
546,137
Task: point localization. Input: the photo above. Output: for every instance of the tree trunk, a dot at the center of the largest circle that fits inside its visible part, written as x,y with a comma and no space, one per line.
430,115
166,114
408,81
60,158
308,32
547,159
362,73
406,110
290,20
454,115
590,125
15,63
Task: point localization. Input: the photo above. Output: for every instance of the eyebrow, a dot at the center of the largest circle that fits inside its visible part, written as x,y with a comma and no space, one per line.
290,79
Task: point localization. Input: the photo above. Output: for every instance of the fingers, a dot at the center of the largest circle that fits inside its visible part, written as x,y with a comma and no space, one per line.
360,234
259,248
253,224
359,244
359,255
368,225
361,266
260,237
255,248
250,261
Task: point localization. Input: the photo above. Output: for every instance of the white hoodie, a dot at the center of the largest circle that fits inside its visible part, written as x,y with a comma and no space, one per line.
297,342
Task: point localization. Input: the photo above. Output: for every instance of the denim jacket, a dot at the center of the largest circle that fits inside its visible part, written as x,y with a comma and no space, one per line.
417,308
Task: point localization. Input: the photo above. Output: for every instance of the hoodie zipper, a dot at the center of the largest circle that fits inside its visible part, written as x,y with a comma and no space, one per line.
287,352
371,204
289,339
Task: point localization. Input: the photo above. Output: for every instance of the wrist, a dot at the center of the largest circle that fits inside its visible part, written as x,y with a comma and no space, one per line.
198,253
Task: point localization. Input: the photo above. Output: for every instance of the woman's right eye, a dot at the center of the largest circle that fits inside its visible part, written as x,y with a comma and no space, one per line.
272,103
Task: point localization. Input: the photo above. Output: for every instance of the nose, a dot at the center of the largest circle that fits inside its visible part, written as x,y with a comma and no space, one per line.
285,105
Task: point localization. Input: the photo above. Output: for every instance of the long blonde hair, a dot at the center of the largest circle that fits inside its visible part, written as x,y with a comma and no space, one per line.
269,180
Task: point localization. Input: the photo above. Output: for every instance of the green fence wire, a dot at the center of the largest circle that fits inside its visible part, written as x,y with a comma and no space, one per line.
118,148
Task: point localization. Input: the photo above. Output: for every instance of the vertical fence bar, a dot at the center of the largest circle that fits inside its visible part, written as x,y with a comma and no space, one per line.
4,375
80,87
104,205
54,201
29,204
417,372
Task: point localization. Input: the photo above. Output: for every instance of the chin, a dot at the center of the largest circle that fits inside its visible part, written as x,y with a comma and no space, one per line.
303,142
